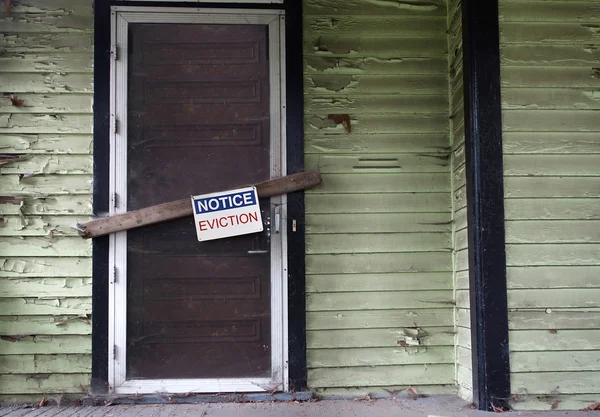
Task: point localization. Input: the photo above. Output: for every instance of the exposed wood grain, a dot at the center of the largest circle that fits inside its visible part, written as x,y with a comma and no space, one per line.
40,225
381,47
60,123
364,338
334,358
47,345
314,64
383,183
379,123
378,203
377,143
387,375
548,77
48,103
45,267
46,287
45,364
25,44
45,306
47,83
79,205
378,243
551,33
549,11
377,319
576,56
378,263
577,276
182,208
50,164
377,223
328,84
387,300
376,104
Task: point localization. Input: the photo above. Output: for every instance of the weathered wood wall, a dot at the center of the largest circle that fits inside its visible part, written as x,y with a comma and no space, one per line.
379,229
45,268
464,377
550,53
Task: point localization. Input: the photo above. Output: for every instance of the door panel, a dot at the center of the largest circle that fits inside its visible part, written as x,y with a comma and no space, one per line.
198,122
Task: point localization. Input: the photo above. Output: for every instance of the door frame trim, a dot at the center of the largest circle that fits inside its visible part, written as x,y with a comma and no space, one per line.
117,280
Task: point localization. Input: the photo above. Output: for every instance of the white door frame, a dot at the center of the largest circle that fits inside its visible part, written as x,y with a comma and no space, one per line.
121,17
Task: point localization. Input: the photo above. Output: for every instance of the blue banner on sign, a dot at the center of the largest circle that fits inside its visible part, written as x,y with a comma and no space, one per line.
224,202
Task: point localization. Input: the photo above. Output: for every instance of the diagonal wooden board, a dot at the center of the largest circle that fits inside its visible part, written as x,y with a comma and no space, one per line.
181,208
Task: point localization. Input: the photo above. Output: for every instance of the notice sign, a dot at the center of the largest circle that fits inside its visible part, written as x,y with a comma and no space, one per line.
228,213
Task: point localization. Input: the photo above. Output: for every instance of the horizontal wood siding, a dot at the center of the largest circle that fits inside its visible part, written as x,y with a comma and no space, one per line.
45,268
464,377
379,229
551,122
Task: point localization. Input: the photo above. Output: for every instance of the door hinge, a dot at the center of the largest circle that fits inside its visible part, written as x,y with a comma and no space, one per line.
115,124
114,52
114,352
114,200
114,274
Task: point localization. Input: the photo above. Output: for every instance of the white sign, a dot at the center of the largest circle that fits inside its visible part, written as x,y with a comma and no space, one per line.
228,213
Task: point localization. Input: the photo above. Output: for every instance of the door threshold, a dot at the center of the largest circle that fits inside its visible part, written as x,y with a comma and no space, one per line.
150,399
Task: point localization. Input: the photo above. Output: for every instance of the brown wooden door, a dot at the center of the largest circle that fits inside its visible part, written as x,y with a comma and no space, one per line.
198,122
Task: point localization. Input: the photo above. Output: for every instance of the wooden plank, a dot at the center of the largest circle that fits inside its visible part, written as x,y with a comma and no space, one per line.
45,246
387,300
327,84
45,287
389,163
383,26
45,123
377,143
561,319
379,282
381,47
377,319
46,143
46,185
552,165
50,164
580,56
45,306
578,361
47,82
463,357
374,223
463,319
46,383
563,382
377,243
370,338
378,263
548,33
337,358
546,340
375,8
550,99
553,402
79,205
384,375
461,278
379,123
463,337
377,203
45,364
384,183
48,345
40,225
551,187
319,64
548,77
48,103
549,11
460,198
550,121
550,142
20,43
45,267
553,231
461,262
460,219
576,276
384,391
376,104
552,209
48,62
462,298
182,208
45,325
554,298
553,254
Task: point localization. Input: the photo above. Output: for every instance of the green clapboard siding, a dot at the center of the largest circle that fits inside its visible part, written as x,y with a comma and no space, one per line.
379,229
459,211
551,121
45,269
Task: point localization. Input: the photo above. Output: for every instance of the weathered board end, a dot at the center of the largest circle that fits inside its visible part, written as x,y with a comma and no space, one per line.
181,208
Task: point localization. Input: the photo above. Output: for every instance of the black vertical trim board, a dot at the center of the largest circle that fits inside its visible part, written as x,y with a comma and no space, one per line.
485,204
295,163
